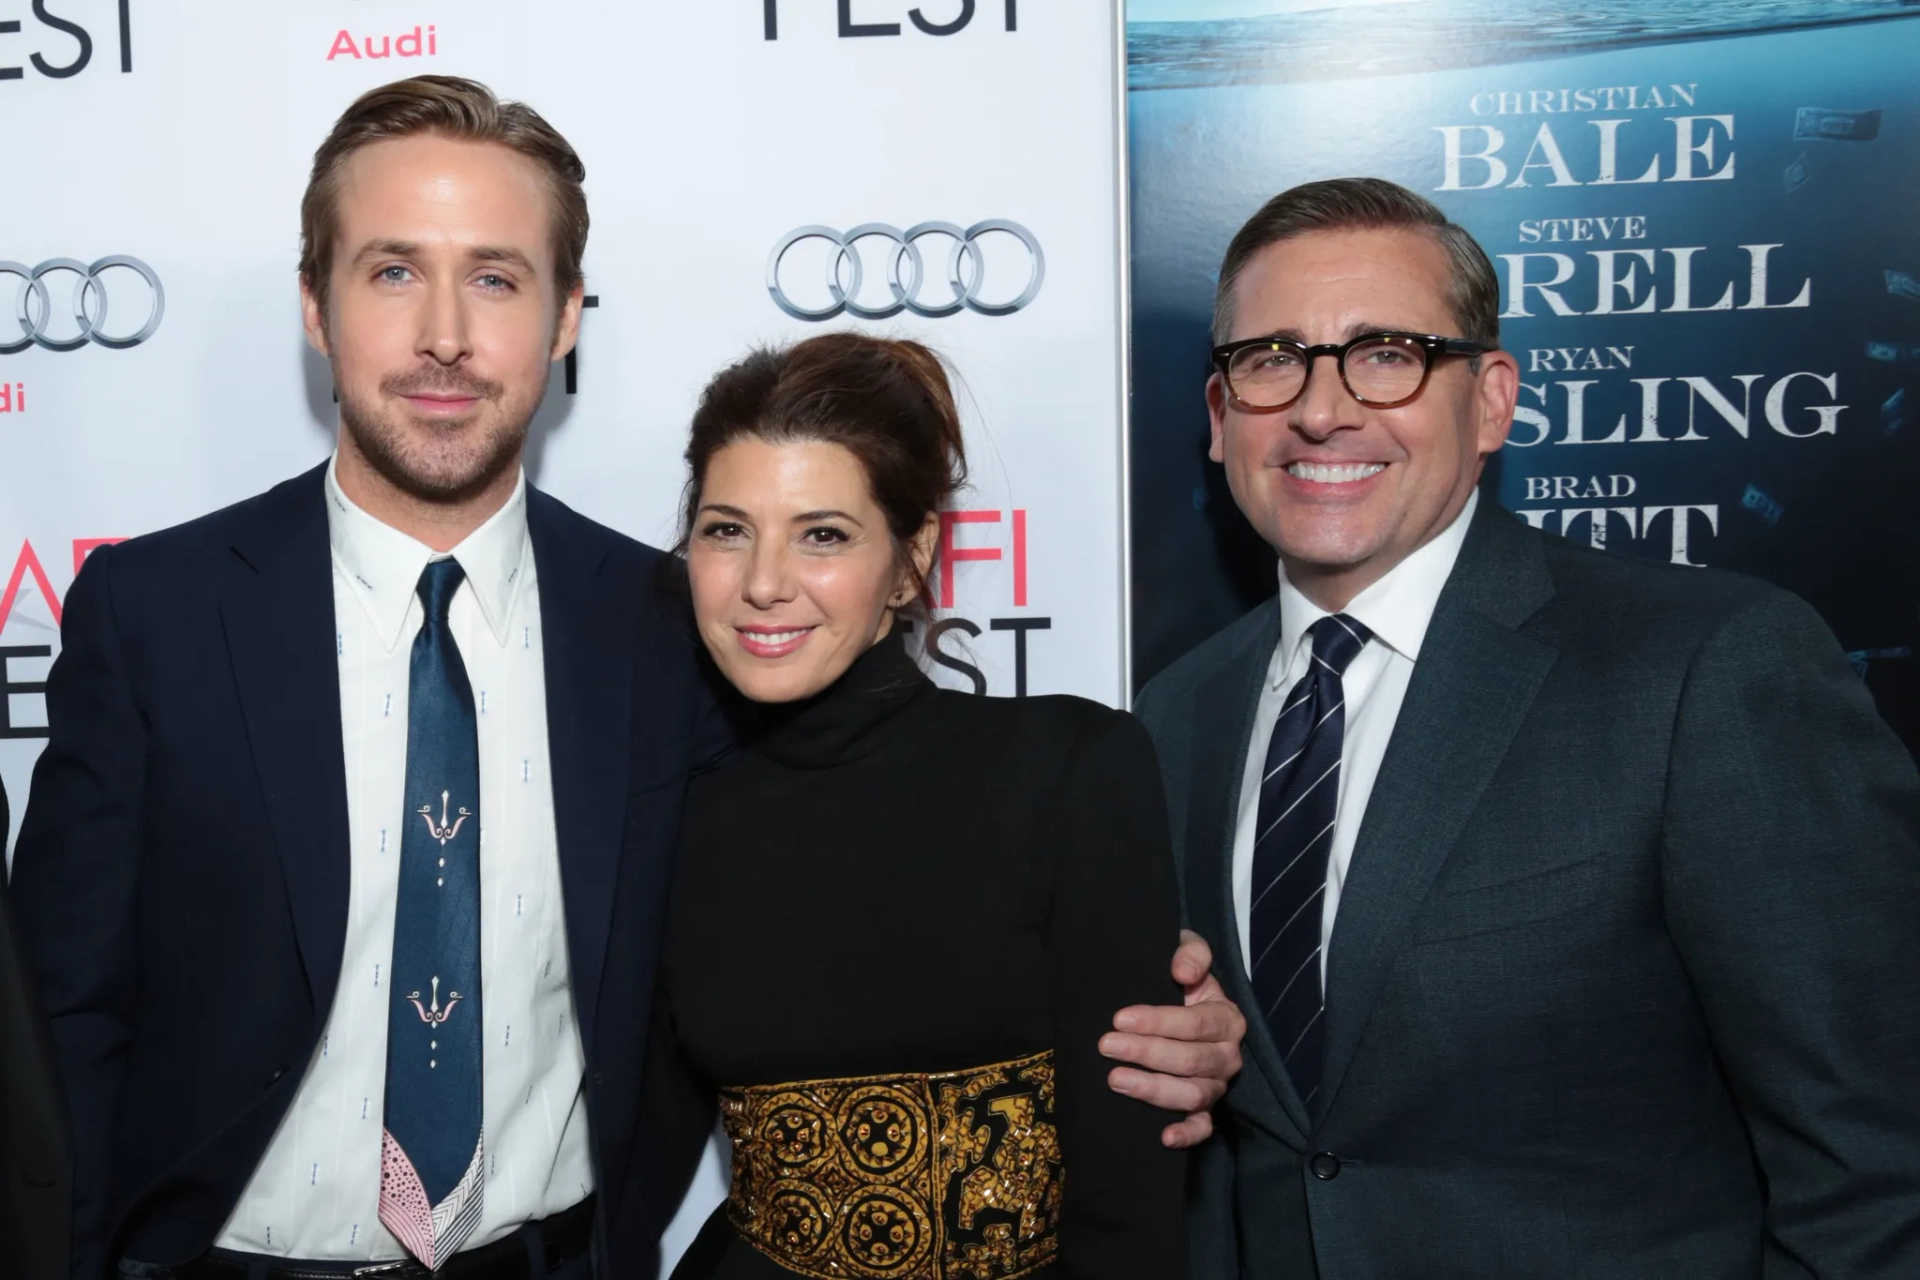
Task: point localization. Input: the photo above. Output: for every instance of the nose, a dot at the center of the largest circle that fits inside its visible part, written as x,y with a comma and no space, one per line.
768,582
1325,406
444,324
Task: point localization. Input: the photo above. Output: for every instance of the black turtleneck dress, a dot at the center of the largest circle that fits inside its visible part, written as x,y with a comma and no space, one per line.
895,878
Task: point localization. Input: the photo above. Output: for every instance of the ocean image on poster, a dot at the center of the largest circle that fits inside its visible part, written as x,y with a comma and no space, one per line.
1190,43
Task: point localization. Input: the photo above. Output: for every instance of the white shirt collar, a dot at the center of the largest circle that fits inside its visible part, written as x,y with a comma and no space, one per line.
1397,608
383,565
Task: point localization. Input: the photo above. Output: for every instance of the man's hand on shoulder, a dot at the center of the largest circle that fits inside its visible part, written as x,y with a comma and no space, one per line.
1189,1053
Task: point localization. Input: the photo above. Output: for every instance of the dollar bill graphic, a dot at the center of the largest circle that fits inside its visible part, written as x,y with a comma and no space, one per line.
1798,173
1902,285
1893,412
1891,352
1761,505
1818,124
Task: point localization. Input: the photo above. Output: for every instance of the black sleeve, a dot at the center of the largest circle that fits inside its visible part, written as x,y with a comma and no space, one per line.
1157,707
1112,929
1792,883
677,1117
720,718
75,874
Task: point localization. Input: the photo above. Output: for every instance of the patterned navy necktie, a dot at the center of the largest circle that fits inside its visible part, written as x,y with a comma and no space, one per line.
432,1166
1299,800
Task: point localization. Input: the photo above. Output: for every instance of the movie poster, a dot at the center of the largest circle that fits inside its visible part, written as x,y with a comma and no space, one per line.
1704,222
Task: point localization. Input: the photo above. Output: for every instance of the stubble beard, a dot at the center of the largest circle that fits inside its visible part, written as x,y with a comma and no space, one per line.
439,464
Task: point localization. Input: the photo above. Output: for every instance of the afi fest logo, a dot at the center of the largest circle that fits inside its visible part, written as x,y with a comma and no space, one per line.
421,42
13,681
874,13
58,47
942,592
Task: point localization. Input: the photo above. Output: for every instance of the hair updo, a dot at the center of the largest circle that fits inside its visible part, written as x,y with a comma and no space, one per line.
886,401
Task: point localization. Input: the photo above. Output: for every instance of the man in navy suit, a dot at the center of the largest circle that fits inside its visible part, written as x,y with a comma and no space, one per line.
250,879
33,1156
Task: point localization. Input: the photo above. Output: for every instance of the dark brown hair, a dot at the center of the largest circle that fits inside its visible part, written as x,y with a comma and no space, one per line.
1342,204
448,107
888,402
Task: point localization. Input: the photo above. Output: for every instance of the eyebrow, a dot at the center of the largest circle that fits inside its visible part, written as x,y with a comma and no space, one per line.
805,517
410,249
512,257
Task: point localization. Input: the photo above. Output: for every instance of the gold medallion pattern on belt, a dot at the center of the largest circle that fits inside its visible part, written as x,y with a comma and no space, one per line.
954,1176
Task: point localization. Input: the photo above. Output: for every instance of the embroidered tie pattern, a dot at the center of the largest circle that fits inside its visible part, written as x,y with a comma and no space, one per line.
432,1155
1299,800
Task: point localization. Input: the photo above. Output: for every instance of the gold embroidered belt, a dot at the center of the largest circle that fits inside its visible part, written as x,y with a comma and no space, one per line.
955,1176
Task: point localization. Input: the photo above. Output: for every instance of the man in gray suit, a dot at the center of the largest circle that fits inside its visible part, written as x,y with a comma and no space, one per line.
1574,901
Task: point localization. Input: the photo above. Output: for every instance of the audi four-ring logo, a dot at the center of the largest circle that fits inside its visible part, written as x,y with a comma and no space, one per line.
39,319
904,264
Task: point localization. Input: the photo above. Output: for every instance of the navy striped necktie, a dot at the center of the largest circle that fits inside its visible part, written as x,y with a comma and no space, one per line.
432,1172
1299,800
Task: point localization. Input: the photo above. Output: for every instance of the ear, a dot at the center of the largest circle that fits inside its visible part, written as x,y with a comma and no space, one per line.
1495,393
313,318
567,333
1216,413
925,543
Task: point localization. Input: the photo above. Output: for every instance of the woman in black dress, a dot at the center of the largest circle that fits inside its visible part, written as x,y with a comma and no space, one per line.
903,916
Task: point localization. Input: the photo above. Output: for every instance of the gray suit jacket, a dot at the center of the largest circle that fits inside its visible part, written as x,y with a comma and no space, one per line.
1625,980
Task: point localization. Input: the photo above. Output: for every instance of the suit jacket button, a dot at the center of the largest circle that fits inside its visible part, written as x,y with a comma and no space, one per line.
1324,1165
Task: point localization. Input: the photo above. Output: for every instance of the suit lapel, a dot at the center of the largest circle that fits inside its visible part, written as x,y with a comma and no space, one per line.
588,627
281,640
1227,703
1476,678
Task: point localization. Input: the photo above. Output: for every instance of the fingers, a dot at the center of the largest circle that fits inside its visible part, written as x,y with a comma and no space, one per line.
1214,1062
1180,1058
1191,1132
1193,961
1183,1094
1216,1021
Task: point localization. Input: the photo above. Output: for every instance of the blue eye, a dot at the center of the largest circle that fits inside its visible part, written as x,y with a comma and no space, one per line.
395,274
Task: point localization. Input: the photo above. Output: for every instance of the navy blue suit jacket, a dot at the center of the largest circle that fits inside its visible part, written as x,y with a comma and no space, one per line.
182,871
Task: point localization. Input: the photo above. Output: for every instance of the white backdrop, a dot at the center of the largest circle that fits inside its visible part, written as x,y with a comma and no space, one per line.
180,136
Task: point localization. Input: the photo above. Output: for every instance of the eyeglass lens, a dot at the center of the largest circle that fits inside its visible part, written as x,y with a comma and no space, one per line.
1378,370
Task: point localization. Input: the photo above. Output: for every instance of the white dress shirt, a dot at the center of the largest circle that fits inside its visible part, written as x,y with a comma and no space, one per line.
316,1192
1397,610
